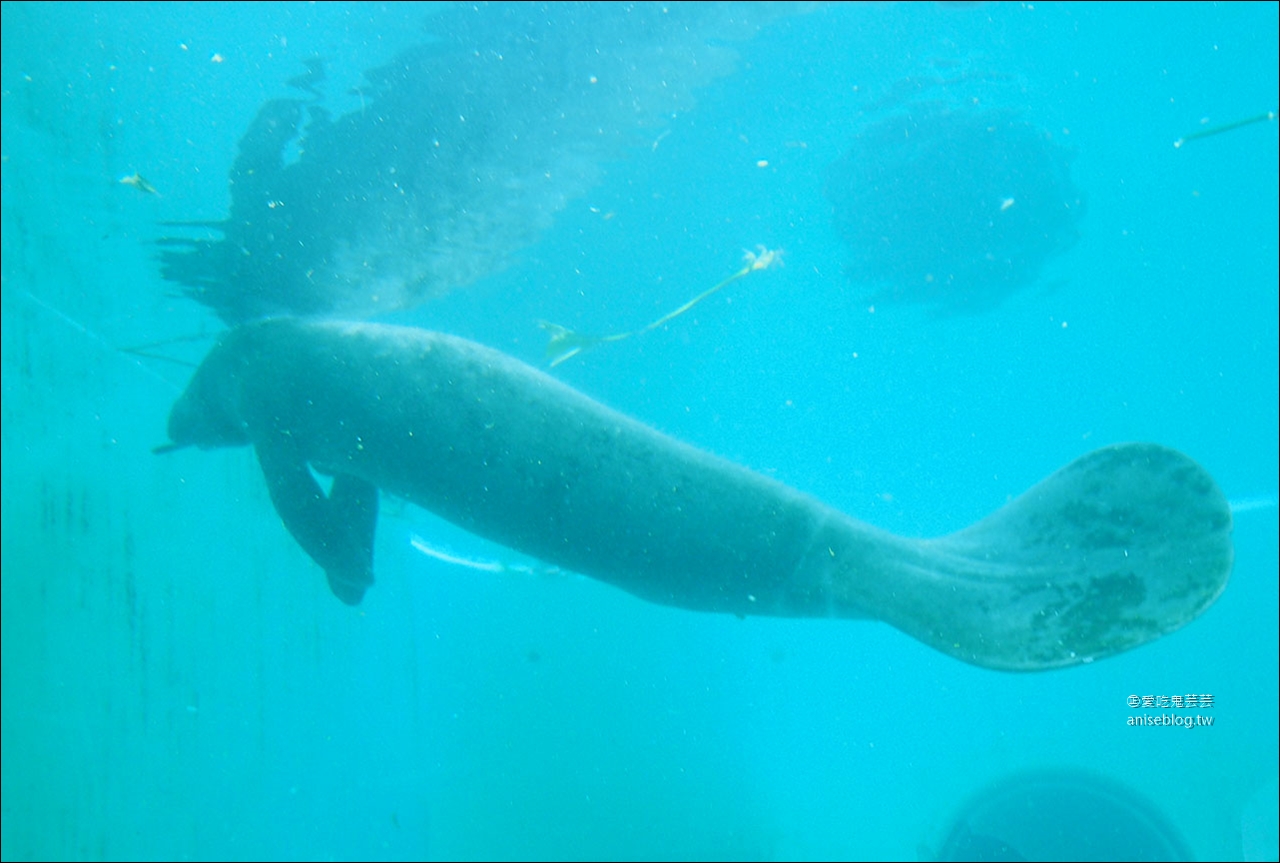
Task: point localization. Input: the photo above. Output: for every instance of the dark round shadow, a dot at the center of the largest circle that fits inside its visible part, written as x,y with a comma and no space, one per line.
1060,814
952,205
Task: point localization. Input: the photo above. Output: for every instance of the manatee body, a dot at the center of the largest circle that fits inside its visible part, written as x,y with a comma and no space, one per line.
1121,546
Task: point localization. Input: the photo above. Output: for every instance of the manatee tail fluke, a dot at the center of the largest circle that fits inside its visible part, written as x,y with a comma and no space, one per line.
1120,547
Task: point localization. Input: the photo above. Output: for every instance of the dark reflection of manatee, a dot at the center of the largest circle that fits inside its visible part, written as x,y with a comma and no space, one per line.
951,204
461,153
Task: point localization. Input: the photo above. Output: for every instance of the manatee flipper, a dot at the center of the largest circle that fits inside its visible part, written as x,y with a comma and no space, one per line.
336,530
1121,546
353,505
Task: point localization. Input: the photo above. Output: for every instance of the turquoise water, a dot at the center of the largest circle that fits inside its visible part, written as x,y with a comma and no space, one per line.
178,682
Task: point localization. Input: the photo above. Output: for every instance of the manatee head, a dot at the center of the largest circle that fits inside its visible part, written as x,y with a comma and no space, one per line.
207,415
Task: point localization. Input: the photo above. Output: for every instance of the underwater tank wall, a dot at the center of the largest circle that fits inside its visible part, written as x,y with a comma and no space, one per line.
178,682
